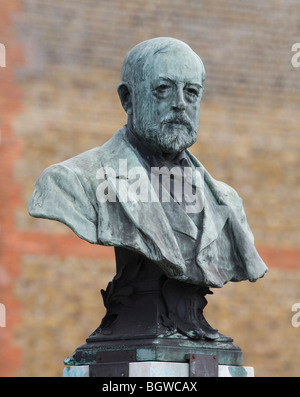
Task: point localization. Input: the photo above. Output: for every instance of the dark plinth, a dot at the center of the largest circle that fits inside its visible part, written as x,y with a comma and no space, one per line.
150,317
159,349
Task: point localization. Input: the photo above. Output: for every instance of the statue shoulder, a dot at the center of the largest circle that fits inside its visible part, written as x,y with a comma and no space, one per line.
66,191
227,191
85,165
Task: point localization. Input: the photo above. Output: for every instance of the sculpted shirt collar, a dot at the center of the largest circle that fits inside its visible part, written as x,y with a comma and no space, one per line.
150,158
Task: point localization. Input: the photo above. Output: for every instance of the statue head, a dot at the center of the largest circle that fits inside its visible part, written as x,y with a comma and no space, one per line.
161,90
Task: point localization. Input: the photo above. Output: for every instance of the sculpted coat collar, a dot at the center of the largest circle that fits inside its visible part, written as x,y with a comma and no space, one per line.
216,213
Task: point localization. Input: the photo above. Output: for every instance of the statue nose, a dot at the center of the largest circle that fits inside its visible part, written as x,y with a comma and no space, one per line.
179,103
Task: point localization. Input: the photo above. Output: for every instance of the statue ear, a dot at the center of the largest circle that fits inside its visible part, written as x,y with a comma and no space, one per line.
124,91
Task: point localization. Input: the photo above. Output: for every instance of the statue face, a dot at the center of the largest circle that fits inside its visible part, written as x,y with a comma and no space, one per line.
166,100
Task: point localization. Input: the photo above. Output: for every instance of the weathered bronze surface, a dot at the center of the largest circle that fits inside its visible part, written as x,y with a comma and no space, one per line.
172,349
173,242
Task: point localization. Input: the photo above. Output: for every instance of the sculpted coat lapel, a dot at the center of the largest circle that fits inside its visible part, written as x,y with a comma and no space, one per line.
224,250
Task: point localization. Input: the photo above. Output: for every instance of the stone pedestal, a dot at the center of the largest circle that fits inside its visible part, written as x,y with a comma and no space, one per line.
173,356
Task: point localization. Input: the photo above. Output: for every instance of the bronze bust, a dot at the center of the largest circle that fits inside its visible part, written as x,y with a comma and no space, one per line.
173,241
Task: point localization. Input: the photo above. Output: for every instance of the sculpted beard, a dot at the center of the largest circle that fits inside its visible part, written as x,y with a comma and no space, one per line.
174,134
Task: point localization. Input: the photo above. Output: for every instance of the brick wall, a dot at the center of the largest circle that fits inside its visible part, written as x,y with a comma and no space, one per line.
10,149
58,98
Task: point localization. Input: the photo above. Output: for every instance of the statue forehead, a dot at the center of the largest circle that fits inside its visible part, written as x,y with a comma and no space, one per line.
178,64
165,56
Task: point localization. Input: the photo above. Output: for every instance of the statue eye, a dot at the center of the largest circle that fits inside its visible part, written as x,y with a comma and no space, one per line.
162,89
192,91
163,86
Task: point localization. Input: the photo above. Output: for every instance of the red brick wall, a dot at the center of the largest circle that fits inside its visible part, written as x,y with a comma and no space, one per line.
10,151
58,98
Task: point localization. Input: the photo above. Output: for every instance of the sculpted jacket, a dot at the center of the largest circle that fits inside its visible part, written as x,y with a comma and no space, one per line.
221,249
